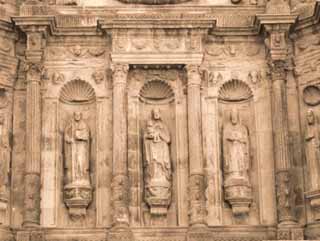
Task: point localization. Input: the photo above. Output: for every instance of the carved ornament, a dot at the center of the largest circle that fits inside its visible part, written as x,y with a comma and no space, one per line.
235,90
311,95
156,92
77,91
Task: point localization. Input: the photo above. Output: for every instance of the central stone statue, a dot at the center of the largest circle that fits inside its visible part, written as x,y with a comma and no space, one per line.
236,155
77,144
77,159
157,165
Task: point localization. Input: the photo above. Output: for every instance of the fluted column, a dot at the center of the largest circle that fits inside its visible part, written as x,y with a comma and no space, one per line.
33,128
197,210
120,185
284,188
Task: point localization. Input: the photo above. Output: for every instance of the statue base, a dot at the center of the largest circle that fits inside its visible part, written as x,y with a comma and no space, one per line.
314,198
77,199
239,195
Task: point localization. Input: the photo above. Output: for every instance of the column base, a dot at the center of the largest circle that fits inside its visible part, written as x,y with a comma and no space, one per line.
290,233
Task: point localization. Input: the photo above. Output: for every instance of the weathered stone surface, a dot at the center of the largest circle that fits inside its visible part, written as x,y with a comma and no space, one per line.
160,120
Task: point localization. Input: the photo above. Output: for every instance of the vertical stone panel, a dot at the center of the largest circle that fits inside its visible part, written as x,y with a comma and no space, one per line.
49,160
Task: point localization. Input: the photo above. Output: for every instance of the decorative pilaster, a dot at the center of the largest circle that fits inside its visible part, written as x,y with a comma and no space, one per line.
277,28
196,176
34,69
120,182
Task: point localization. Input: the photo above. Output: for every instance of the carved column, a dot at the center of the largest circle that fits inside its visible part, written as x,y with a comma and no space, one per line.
284,188
120,191
197,210
33,126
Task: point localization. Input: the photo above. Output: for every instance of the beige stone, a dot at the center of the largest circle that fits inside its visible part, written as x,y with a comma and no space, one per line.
159,120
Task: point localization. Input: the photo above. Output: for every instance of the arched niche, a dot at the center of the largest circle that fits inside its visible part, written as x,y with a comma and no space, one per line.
77,96
236,100
161,89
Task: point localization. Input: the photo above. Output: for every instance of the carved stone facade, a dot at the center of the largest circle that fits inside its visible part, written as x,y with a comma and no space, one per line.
159,120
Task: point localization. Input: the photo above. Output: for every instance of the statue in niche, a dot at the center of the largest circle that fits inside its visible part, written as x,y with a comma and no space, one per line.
157,166
236,155
312,149
4,158
77,158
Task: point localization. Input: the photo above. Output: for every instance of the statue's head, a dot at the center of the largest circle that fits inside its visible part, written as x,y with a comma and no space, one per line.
310,117
234,116
156,114
77,116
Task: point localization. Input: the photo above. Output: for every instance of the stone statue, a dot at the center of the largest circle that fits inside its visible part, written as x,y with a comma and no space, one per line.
312,149
77,148
77,159
4,158
157,165
236,155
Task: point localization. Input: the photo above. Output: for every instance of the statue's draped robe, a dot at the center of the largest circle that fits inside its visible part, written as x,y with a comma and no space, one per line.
236,151
4,159
312,145
77,147
157,161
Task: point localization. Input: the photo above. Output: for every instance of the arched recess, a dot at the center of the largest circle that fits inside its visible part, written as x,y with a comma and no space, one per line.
240,194
157,89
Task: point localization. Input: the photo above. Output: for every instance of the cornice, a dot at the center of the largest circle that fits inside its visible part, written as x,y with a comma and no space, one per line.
262,20
310,21
158,21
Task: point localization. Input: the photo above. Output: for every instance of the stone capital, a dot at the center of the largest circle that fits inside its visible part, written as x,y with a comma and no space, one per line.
120,73
193,72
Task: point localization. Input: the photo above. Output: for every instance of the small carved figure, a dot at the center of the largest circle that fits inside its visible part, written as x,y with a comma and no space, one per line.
157,164
312,148
4,158
236,155
77,152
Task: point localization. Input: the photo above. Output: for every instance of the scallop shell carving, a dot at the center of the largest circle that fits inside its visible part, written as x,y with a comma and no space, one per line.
157,91
77,91
311,95
235,90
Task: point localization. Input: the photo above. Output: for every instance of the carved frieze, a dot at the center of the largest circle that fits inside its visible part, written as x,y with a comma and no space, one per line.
76,52
156,40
